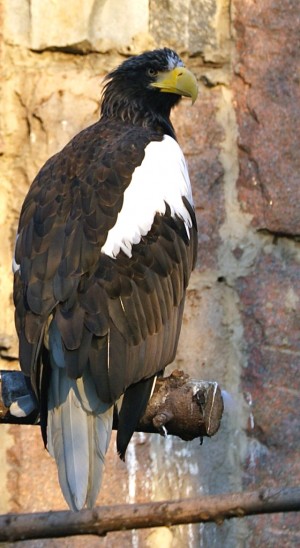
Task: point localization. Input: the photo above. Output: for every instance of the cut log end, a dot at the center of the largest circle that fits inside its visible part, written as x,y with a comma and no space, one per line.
184,407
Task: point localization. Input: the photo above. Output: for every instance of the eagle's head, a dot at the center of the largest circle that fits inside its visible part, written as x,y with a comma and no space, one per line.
144,88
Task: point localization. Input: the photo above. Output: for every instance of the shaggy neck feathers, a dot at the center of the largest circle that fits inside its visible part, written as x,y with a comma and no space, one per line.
136,110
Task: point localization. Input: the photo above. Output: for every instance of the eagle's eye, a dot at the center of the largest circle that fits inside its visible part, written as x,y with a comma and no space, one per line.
151,72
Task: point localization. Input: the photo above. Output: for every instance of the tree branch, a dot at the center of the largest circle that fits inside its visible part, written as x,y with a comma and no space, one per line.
179,405
104,519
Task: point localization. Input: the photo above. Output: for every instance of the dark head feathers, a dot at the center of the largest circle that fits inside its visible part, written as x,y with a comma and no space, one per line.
159,59
128,93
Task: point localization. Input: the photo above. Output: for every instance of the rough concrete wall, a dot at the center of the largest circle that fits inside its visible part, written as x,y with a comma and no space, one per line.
241,323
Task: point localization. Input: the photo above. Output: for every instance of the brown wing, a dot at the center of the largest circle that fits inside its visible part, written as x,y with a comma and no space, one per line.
121,317
70,207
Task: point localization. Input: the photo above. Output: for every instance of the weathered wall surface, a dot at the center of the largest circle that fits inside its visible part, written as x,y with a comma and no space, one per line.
242,319
267,93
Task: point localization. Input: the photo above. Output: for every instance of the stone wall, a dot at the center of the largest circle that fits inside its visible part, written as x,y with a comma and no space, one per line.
242,319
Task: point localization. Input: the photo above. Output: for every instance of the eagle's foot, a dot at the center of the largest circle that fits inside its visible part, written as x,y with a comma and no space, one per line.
23,406
160,420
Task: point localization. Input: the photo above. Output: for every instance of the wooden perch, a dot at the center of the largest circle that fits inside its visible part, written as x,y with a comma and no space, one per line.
104,519
179,405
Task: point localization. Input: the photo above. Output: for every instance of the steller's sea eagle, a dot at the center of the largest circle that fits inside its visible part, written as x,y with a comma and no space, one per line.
106,243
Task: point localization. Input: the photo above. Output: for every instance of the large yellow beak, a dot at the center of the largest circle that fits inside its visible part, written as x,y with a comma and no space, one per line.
179,80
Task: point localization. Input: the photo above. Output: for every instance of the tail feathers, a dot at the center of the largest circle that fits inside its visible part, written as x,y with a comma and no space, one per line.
78,439
99,440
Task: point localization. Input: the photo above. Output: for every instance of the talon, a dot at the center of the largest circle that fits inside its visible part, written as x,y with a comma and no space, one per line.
163,431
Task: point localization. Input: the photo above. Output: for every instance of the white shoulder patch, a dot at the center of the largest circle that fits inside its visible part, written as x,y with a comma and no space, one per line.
161,178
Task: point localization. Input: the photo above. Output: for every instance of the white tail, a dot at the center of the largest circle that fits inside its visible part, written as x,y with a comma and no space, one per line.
78,431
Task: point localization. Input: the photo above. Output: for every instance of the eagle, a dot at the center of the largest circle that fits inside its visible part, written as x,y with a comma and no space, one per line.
106,243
